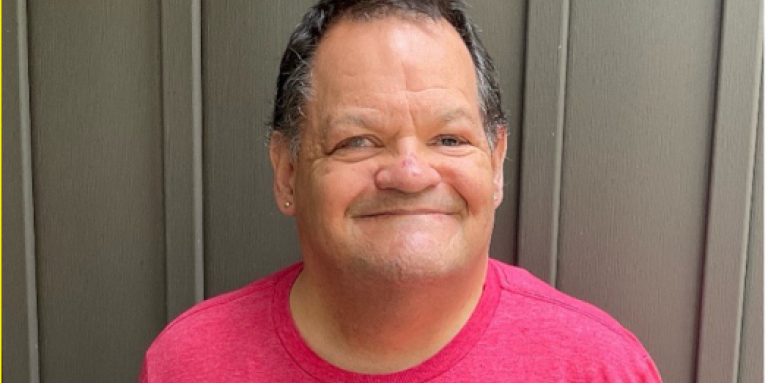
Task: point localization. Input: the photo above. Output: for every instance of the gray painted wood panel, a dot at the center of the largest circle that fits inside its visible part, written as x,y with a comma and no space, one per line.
751,353
639,97
20,343
542,142
502,25
181,29
97,140
246,236
730,191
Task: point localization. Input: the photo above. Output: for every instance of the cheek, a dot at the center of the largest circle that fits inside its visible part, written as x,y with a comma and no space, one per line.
332,187
473,181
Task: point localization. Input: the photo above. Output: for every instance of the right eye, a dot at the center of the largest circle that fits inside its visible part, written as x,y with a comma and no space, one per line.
355,142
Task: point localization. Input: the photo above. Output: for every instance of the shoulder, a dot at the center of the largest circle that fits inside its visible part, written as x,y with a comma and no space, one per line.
524,288
216,326
251,299
554,325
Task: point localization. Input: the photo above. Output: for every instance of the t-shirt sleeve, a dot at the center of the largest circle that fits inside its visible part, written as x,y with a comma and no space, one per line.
630,364
649,373
642,371
143,375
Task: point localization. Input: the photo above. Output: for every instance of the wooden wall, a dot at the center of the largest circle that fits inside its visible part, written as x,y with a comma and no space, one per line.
136,180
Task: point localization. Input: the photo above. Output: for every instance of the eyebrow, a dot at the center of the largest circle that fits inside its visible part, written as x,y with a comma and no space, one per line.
450,115
348,119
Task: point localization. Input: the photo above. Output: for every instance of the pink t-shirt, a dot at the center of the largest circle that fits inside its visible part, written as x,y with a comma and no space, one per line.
522,331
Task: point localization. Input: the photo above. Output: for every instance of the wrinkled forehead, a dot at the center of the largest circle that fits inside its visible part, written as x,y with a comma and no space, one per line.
391,54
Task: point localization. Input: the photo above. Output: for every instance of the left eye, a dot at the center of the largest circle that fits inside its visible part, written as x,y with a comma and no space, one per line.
449,141
358,142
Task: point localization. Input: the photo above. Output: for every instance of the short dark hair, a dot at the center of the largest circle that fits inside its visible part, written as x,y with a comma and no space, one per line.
294,85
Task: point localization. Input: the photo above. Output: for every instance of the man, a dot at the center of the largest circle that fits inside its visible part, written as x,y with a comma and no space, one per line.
388,148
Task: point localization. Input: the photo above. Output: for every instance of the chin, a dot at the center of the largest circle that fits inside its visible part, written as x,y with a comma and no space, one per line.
409,267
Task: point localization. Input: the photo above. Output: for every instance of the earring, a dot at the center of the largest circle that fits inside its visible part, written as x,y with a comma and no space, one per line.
287,204
495,197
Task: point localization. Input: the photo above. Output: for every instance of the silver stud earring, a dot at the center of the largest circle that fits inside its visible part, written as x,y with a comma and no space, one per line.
287,204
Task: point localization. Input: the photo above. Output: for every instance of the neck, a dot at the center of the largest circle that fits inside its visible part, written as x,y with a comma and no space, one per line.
380,327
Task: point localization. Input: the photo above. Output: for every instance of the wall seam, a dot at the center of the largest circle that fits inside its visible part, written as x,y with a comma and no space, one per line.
708,197
755,176
520,121
197,81
30,238
163,160
541,138
560,152
182,154
722,157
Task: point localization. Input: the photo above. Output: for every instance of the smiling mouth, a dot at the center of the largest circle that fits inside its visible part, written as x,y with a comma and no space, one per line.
406,213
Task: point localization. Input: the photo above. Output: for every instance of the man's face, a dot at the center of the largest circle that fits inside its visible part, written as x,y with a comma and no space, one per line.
394,178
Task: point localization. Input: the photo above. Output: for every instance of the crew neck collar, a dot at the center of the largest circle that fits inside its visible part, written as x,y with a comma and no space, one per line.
438,364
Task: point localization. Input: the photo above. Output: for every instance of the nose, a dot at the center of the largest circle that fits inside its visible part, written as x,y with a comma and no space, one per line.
409,172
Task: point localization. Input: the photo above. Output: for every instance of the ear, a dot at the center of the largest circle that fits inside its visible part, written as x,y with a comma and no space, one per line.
283,173
498,156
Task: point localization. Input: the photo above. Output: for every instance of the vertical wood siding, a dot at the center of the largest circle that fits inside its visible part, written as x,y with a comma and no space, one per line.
246,237
181,27
503,30
730,189
137,179
641,84
97,159
751,352
20,343
542,137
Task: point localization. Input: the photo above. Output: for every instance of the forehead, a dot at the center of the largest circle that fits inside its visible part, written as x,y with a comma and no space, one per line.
391,58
